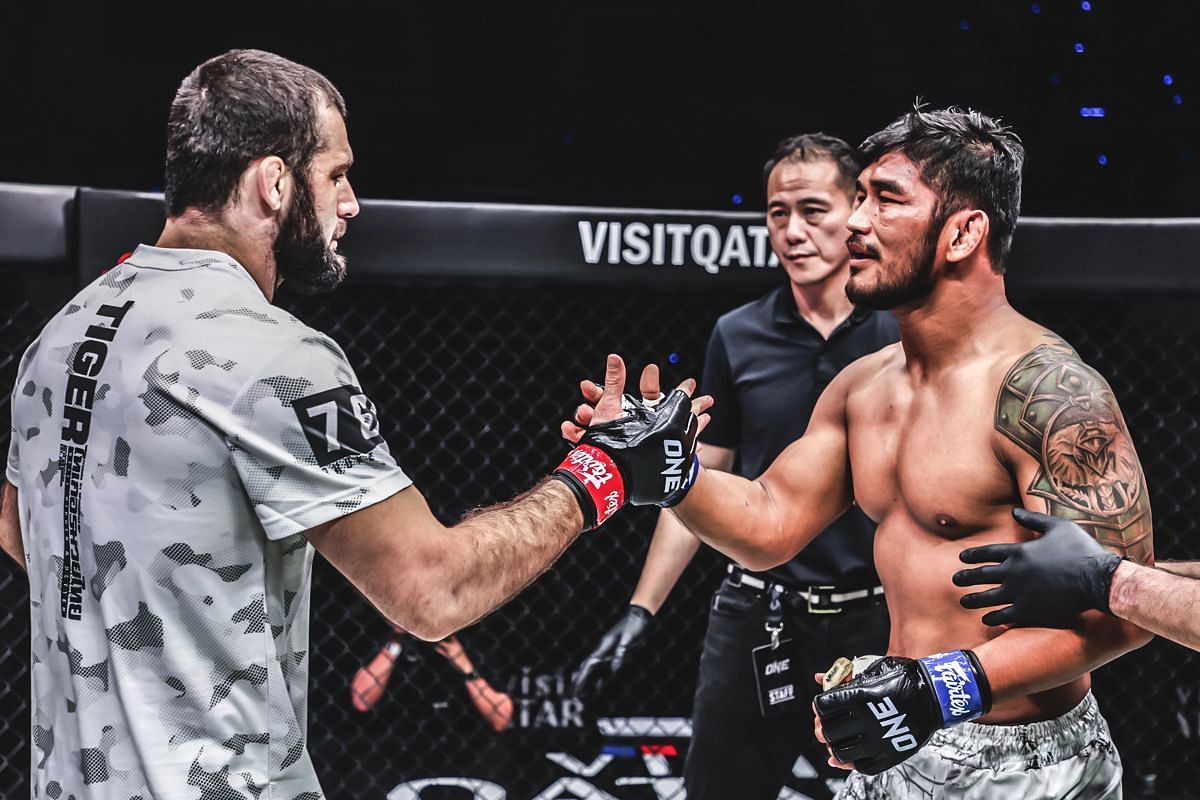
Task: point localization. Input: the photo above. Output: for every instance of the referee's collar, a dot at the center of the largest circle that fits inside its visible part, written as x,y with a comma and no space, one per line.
786,313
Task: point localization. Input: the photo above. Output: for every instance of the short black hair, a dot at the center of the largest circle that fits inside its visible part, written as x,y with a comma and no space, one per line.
232,109
813,147
969,159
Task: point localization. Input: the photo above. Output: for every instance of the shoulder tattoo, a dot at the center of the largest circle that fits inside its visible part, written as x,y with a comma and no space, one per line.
1063,413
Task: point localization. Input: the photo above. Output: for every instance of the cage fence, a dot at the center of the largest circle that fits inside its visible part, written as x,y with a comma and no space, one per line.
471,380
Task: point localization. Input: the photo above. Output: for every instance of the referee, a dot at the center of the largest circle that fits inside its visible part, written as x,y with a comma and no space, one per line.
766,365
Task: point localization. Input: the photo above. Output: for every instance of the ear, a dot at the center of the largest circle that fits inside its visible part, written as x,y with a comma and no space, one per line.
270,181
967,231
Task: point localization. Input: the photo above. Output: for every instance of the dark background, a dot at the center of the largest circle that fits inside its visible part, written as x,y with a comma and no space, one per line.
634,104
646,104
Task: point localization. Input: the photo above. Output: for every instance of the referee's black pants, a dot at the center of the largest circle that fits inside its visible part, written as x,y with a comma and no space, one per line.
736,753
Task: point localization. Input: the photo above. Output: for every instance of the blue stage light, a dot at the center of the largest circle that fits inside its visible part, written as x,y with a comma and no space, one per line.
737,199
1102,159
1079,47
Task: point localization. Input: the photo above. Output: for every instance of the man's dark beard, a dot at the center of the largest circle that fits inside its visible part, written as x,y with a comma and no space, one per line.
303,260
914,285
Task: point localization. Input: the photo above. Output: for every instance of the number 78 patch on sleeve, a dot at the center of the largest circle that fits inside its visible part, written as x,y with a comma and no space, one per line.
338,422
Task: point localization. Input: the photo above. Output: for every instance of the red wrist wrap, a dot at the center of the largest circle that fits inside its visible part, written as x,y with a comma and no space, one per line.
600,478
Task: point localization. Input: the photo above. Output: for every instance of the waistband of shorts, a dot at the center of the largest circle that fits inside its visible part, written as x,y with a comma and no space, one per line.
1027,746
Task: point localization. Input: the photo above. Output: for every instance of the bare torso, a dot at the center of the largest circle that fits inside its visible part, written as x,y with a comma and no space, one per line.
930,467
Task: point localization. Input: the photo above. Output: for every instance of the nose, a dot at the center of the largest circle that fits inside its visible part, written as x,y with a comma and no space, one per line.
797,233
347,204
859,222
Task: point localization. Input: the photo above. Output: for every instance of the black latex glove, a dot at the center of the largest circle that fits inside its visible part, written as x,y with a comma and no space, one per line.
1045,582
623,640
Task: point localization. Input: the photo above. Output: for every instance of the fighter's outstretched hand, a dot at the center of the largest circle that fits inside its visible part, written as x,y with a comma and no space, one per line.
607,402
1044,582
632,451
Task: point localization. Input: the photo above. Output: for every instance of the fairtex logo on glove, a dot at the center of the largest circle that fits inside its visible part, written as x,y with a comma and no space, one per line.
954,683
600,477
612,504
591,466
956,680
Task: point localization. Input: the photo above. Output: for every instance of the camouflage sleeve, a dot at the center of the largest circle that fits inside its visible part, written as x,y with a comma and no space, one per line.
12,470
306,440
1063,413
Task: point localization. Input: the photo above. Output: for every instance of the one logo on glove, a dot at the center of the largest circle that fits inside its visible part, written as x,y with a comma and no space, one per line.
673,450
892,722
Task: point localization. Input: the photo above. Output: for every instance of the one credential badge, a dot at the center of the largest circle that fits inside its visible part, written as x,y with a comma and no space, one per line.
776,672
338,423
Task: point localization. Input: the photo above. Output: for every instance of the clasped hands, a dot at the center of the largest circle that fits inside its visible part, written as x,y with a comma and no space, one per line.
603,403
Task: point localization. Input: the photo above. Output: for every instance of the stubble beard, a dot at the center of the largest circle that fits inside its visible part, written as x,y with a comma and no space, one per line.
306,264
909,288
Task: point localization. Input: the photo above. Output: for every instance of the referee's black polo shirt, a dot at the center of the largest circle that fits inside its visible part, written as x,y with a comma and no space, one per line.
765,368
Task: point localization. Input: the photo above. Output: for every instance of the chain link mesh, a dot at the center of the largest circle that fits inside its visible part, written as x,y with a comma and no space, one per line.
471,381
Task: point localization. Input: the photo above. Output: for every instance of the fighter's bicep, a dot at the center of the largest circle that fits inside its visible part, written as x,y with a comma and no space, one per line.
1077,459
812,475
389,550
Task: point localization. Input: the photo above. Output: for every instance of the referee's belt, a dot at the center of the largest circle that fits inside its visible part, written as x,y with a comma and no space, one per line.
817,599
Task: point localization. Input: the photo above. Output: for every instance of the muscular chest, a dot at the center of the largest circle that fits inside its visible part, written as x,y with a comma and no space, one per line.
927,452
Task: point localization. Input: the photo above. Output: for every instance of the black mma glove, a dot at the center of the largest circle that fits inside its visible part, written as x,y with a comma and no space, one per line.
645,457
887,713
1048,581
622,641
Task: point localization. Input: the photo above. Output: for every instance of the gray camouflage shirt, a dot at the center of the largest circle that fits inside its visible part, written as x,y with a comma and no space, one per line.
173,435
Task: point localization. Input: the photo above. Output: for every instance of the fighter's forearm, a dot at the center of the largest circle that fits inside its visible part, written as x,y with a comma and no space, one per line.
502,549
741,519
1188,569
1161,602
1022,661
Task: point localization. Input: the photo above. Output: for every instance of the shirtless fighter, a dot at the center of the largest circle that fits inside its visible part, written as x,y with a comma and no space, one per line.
937,438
